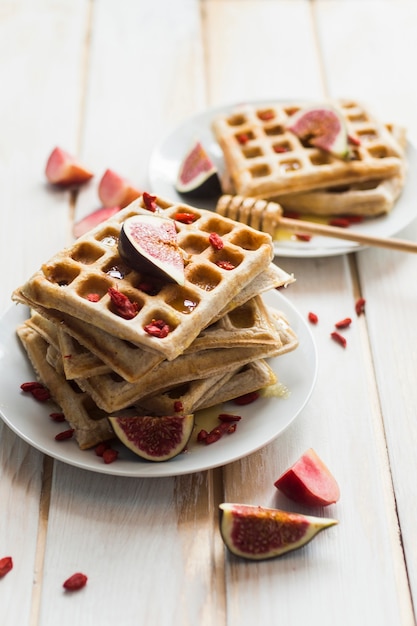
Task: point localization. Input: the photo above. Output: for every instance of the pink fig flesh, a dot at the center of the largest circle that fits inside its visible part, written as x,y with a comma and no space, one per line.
309,481
115,190
65,170
256,533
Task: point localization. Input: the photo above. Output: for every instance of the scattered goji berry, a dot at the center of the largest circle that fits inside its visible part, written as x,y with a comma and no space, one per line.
242,138
354,140
202,435
57,417
124,307
30,386
93,297
148,287
339,338
110,455
280,149
149,202
213,436
247,398
344,323
6,564
157,328
185,218
216,241
266,115
292,215
340,222
38,390
313,318
75,582
360,306
229,417
303,237
225,265
178,406
101,448
65,434
354,219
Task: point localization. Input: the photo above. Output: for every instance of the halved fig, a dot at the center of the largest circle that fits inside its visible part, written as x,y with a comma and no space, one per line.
148,243
154,438
323,127
115,190
256,533
197,175
64,170
309,481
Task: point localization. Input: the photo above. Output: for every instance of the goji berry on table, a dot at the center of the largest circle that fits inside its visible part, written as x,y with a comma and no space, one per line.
345,323
313,318
360,306
6,564
339,339
75,582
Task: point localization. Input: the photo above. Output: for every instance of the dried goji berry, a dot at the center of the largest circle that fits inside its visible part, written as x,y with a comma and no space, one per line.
110,455
75,582
229,417
242,138
124,307
157,328
360,306
101,448
340,222
202,435
280,149
93,297
354,219
30,386
6,564
185,218
339,338
313,318
247,398
344,323
266,115
303,237
354,140
225,265
178,406
148,287
57,417
216,241
149,202
38,390
65,434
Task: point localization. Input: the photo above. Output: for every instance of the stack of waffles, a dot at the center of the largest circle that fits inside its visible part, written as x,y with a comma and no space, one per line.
96,362
264,159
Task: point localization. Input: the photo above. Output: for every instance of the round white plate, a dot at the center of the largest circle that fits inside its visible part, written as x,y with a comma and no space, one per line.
261,421
167,156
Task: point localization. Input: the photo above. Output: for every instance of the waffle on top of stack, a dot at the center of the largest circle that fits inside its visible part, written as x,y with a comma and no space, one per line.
220,329
264,159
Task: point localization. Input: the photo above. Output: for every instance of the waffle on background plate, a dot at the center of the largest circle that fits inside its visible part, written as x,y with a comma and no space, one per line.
264,159
94,362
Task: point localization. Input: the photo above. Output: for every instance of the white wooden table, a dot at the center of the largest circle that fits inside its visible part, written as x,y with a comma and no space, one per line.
107,81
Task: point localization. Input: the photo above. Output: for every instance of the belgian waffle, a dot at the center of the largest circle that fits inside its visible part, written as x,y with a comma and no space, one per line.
92,265
266,160
90,424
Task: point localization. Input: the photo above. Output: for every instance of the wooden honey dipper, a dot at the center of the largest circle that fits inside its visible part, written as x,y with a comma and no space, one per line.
267,216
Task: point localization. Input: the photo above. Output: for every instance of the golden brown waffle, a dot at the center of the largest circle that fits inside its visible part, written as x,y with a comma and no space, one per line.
90,424
92,265
263,159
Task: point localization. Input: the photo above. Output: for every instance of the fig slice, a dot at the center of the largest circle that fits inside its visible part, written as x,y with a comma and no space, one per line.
148,243
309,481
115,190
154,438
92,219
323,127
65,170
197,175
256,533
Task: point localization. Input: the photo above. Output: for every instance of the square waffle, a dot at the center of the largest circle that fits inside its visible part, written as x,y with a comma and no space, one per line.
264,159
91,265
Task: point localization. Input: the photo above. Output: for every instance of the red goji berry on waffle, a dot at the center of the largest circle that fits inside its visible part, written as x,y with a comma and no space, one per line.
123,306
75,582
6,564
157,328
149,202
216,241
185,218
225,265
178,406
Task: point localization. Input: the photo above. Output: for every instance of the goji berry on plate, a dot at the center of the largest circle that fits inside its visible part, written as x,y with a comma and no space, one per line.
313,318
247,398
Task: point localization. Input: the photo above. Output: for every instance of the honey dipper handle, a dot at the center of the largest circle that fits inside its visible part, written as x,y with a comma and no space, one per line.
301,226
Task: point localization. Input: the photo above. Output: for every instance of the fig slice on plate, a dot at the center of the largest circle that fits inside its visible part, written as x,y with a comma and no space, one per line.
323,127
148,243
65,170
309,481
154,438
115,190
256,533
197,175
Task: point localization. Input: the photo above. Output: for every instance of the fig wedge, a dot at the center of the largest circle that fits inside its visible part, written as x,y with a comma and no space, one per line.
148,243
92,219
154,438
65,170
322,127
257,533
197,175
309,481
115,190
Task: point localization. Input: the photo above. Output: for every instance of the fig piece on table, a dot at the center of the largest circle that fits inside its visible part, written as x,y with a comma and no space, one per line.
309,481
148,244
257,533
64,170
154,438
322,127
197,174
92,219
115,190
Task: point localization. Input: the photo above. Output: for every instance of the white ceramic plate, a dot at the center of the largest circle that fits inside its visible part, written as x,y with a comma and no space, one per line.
167,156
261,421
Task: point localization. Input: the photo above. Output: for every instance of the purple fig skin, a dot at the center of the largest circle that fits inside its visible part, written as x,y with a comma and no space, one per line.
309,482
324,127
258,533
153,438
